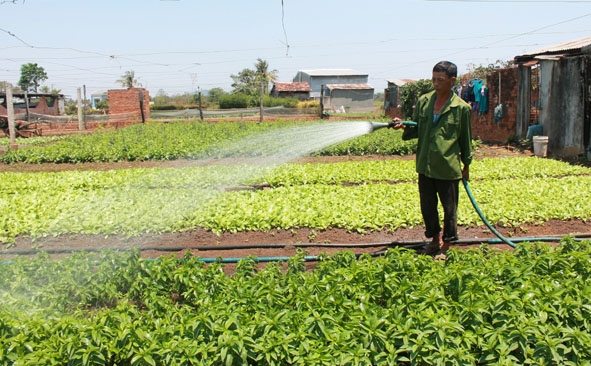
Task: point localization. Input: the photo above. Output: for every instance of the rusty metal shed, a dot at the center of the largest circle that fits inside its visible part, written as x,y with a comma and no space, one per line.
564,95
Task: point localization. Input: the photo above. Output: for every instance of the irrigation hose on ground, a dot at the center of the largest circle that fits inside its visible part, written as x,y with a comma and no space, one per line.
408,244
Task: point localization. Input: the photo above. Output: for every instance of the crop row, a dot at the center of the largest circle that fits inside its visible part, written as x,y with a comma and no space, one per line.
376,196
183,140
484,306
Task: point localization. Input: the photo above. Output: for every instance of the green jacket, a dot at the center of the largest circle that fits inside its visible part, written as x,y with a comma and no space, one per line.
444,146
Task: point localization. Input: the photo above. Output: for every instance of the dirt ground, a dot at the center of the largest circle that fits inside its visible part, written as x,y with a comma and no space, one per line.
276,243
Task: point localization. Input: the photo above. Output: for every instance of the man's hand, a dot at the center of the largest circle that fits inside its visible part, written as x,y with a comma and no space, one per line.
466,172
397,124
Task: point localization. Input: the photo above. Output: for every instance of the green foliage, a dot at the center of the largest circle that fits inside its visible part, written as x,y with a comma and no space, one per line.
32,75
410,93
380,142
254,82
128,80
481,306
238,100
45,89
103,106
269,101
149,141
359,196
481,71
71,108
214,95
163,107
308,104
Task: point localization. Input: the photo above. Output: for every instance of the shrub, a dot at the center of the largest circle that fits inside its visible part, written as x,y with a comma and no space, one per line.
238,100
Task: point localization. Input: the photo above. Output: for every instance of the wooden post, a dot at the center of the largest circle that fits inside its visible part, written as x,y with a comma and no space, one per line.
200,107
141,95
261,102
322,101
27,111
10,112
523,100
80,114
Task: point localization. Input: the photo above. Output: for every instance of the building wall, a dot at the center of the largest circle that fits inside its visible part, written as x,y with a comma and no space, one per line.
352,100
131,104
562,104
316,82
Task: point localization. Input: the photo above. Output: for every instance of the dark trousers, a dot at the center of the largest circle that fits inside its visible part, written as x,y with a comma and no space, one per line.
447,191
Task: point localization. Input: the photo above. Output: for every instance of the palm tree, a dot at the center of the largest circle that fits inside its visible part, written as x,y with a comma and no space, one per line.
263,75
128,80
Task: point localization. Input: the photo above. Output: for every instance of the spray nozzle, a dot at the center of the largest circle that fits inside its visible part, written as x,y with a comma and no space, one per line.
379,125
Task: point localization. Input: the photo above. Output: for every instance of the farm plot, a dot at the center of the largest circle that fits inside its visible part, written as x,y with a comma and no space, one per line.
67,298
137,187
344,202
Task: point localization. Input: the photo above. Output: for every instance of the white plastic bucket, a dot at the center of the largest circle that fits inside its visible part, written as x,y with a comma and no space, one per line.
541,146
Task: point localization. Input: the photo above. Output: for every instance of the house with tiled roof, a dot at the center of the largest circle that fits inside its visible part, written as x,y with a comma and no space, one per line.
299,90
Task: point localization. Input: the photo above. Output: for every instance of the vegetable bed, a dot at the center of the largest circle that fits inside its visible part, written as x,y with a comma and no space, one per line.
114,306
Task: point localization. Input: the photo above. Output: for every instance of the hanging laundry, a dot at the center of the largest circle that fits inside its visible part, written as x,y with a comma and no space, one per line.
468,93
478,83
483,104
498,114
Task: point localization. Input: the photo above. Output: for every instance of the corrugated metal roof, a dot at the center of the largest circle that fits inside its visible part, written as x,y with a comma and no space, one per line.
349,86
333,72
400,82
574,46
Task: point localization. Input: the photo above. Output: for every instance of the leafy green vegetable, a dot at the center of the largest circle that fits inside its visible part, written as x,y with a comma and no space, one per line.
481,306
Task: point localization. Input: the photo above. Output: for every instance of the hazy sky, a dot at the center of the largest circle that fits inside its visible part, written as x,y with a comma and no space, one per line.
185,45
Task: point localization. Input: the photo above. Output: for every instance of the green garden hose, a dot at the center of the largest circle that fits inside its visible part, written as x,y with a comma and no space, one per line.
378,125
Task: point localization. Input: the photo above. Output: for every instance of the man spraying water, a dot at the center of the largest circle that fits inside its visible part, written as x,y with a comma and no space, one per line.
444,154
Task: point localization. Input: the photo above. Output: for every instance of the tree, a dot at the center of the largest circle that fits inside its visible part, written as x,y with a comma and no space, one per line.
161,97
45,89
214,95
481,72
244,82
264,75
128,80
32,75
249,81
410,93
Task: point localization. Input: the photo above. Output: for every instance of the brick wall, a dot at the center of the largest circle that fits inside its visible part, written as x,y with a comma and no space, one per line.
126,105
484,126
